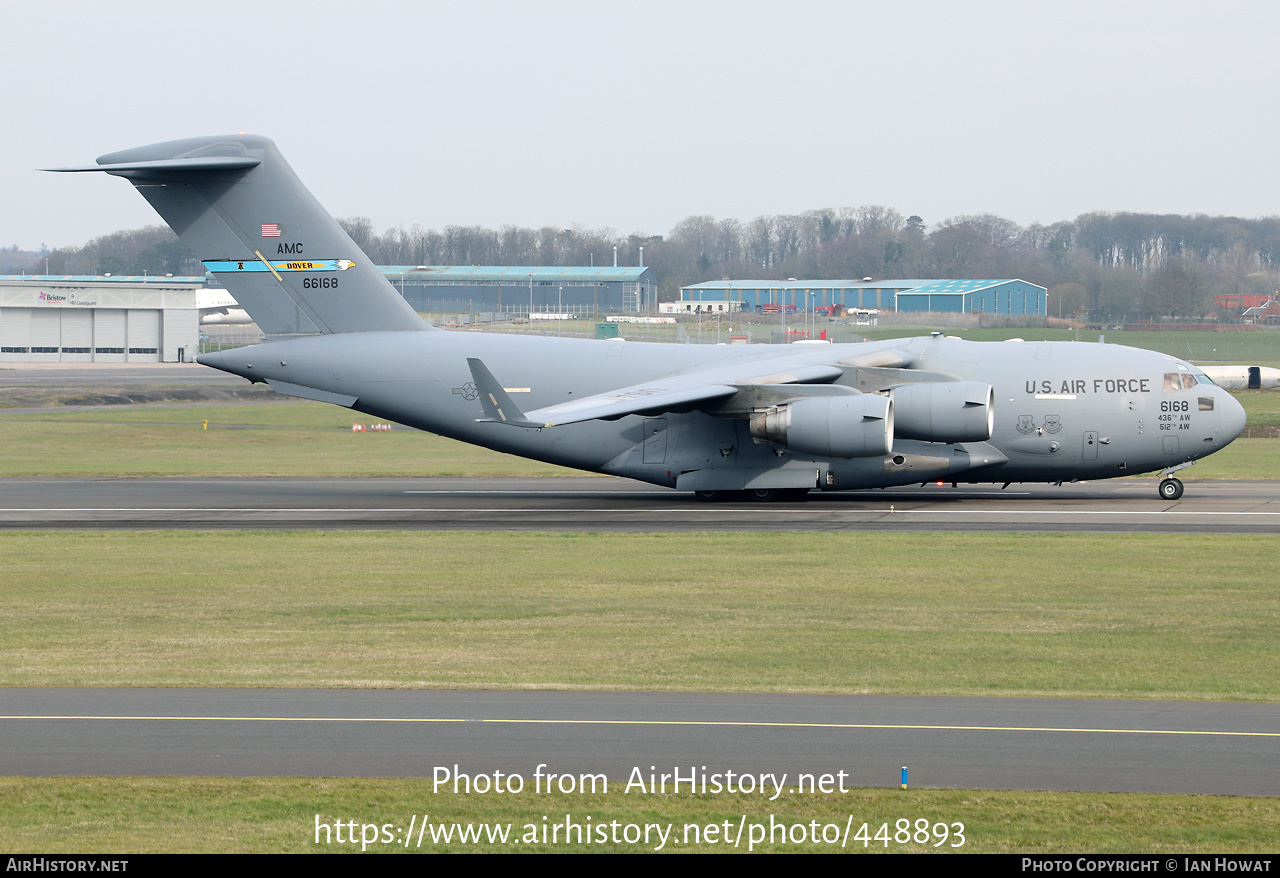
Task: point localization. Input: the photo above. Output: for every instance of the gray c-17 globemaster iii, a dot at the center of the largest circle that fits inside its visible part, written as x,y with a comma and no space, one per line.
761,421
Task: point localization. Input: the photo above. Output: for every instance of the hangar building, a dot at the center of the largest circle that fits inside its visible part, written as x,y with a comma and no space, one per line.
977,296
87,319
509,288
1009,296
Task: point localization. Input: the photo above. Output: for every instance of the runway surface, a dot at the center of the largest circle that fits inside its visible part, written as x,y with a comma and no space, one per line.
94,376
985,743
605,504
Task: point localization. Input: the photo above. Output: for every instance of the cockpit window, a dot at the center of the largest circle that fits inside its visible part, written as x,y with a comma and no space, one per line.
1174,381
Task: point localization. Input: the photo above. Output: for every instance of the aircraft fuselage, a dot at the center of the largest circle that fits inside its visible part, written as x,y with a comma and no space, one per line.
1062,410
760,418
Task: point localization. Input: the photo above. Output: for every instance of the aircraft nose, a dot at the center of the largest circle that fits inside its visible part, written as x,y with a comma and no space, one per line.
1232,415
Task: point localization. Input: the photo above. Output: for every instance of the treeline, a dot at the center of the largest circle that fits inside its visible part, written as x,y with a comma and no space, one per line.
1109,265
14,260
153,250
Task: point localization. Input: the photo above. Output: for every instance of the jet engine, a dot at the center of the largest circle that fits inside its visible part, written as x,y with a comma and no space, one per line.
858,425
944,411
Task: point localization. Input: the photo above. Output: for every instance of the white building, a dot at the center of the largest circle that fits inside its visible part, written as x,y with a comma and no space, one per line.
74,319
708,307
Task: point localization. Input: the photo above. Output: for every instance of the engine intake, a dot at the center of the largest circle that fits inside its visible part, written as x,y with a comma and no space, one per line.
829,426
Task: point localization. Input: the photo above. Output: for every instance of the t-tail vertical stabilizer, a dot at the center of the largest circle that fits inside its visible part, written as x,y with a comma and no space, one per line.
236,203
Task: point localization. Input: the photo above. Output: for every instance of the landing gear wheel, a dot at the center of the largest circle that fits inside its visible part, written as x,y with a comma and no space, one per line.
712,496
1170,489
774,495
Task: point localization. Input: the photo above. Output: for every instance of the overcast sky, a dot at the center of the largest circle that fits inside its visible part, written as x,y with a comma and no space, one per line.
635,115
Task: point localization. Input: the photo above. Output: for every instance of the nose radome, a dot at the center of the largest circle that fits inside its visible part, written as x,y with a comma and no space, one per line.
1232,415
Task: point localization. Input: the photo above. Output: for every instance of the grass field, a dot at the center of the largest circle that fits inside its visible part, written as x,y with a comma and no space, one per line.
1180,617
270,815
249,439
1261,406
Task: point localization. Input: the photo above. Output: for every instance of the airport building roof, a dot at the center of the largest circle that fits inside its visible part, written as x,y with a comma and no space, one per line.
956,287
100,279
517,274
828,284
915,285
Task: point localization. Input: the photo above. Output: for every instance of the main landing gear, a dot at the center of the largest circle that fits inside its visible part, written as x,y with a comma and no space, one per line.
757,495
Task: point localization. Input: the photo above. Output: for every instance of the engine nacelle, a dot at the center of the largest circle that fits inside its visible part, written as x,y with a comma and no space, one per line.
830,426
944,411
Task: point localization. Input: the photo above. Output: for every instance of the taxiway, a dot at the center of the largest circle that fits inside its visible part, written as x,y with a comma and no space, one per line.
984,743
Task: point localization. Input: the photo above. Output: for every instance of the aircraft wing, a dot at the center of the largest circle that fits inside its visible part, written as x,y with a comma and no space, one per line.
662,395
653,396
713,386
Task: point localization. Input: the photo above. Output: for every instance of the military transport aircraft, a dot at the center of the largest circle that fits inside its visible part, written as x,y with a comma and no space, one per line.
1244,377
764,422
218,306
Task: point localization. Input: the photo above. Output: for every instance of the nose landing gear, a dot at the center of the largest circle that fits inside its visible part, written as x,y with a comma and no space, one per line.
1171,488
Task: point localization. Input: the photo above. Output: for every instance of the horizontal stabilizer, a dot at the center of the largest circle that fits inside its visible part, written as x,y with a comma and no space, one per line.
163,167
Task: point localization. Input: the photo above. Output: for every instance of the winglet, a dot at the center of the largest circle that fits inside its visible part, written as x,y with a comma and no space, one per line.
498,406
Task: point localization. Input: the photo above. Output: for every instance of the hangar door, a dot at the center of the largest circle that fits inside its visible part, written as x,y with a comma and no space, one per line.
108,335
77,335
15,333
144,336
46,334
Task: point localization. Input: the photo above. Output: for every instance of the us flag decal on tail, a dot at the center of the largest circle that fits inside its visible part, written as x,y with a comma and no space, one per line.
270,230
